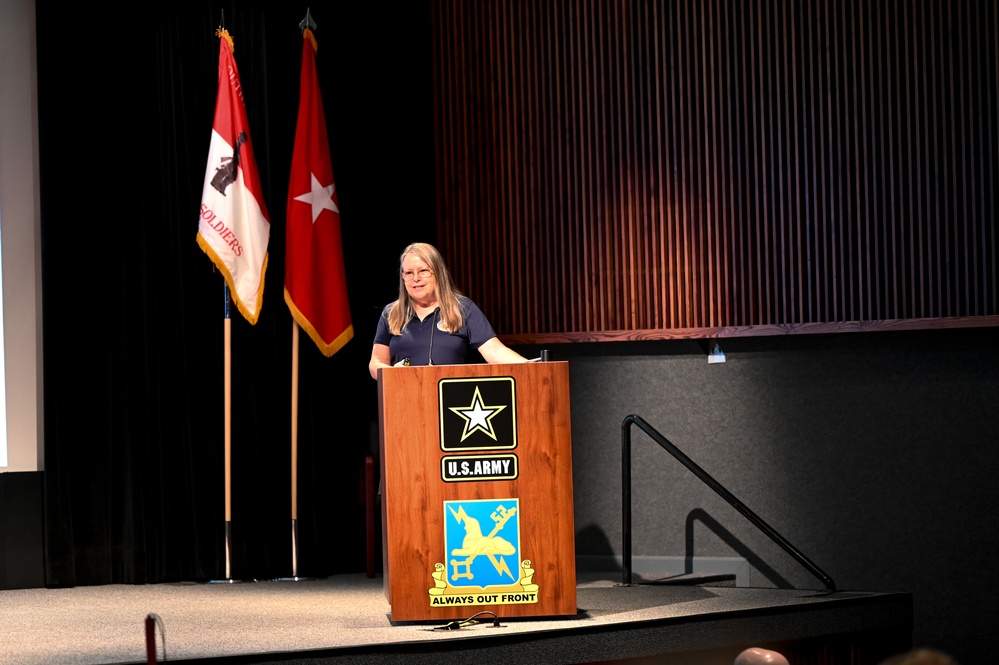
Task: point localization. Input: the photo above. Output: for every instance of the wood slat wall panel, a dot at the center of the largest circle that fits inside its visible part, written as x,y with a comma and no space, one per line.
618,169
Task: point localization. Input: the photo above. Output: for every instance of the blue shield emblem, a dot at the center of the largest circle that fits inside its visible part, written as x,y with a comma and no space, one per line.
482,542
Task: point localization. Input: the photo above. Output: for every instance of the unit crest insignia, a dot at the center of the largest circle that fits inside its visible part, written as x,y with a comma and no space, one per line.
478,569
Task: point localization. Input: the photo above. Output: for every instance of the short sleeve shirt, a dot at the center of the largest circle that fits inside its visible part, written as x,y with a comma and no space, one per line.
426,340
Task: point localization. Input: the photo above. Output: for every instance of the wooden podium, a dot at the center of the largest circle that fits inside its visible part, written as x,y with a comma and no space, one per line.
476,467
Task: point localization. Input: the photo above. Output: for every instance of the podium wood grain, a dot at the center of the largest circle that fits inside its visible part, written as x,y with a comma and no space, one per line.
413,491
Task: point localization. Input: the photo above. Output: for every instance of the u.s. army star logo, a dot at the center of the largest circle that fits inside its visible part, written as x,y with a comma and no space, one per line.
478,413
478,417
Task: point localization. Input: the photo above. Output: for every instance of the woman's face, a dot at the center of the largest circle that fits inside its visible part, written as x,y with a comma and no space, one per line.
420,281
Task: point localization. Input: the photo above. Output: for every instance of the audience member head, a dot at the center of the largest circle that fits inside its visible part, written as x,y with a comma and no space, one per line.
757,656
920,656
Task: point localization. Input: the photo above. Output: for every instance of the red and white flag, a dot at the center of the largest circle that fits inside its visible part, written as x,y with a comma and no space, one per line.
315,282
234,226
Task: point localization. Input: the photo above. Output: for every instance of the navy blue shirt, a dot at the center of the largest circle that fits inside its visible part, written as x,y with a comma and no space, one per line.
424,340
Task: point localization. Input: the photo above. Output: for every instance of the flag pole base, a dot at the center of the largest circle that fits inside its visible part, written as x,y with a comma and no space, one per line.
295,577
228,559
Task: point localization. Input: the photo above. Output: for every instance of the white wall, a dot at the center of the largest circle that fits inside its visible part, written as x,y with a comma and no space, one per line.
20,235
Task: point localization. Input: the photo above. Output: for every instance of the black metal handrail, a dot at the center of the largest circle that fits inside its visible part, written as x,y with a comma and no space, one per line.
710,482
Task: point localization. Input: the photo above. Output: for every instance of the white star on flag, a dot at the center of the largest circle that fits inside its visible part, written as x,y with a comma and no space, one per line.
320,197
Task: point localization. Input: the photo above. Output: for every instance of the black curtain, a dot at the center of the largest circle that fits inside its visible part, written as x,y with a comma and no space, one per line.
134,311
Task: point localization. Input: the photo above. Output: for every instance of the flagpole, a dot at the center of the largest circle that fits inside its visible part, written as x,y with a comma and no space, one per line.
227,414
315,283
232,206
227,336
306,23
294,455
227,411
228,438
294,448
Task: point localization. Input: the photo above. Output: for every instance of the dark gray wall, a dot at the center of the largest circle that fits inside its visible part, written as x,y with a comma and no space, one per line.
874,454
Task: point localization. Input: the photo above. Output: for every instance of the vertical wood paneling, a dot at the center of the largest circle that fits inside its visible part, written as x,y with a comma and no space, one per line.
619,169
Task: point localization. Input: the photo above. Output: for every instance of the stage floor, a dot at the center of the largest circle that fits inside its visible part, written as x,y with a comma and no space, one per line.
345,619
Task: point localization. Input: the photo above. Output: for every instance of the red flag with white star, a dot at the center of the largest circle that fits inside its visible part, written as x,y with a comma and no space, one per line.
233,227
315,283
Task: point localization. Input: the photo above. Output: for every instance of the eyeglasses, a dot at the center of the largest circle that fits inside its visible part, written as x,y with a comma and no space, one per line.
409,275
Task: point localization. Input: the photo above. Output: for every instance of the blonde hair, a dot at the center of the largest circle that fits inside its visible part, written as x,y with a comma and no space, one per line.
402,310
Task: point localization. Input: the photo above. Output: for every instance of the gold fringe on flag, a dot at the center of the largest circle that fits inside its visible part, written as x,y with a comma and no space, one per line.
307,34
327,349
225,35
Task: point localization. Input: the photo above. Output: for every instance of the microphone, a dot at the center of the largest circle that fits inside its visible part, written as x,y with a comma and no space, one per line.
430,354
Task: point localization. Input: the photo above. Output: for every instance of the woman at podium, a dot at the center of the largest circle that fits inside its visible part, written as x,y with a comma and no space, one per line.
432,323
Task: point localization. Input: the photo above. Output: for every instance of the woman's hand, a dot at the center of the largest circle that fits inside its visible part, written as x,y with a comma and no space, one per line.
380,357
